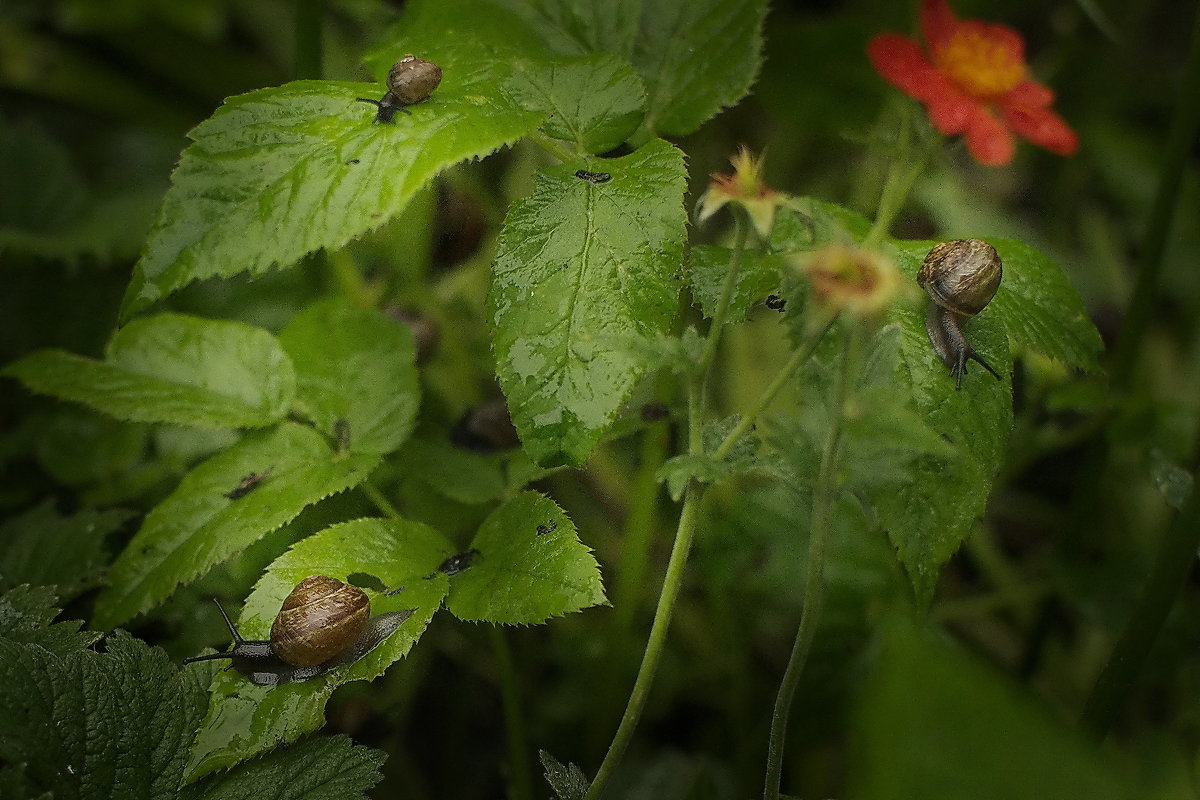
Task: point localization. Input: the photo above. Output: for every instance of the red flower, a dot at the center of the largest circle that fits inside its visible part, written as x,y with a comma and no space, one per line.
974,71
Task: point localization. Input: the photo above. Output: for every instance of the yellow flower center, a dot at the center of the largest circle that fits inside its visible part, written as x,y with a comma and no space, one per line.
980,66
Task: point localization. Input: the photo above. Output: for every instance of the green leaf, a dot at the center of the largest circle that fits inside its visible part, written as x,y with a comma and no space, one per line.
704,467
935,507
584,271
529,566
596,101
41,547
935,724
92,725
696,57
77,446
461,475
1038,306
244,719
318,768
204,521
568,782
757,277
354,367
281,172
577,27
173,368
27,616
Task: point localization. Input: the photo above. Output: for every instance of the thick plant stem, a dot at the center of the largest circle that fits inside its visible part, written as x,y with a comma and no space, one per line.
1176,556
308,55
514,721
656,641
379,499
1184,125
824,494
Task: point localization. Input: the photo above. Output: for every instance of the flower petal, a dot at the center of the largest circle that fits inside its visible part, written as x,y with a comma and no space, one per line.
937,23
950,109
1042,127
900,62
1028,95
988,141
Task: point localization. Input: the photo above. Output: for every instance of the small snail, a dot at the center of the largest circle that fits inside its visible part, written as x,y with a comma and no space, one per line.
410,80
322,624
960,277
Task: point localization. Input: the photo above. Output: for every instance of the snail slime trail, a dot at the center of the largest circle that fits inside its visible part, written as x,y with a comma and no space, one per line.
961,277
410,81
322,624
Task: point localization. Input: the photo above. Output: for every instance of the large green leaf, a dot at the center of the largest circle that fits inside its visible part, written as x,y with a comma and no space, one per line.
173,368
585,270
528,566
90,725
696,57
281,172
934,507
219,509
245,719
757,276
596,101
355,371
318,768
935,724
577,27
41,547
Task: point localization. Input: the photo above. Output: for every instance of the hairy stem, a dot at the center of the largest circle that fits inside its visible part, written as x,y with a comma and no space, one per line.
655,643
552,146
824,494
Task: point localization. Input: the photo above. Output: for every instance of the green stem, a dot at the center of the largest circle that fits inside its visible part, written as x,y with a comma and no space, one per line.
640,525
814,586
902,172
1167,579
514,720
308,39
1184,125
785,375
350,280
552,146
379,499
740,232
672,583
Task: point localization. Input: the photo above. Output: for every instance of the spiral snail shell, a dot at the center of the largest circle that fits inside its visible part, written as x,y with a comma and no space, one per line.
961,277
323,624
409,81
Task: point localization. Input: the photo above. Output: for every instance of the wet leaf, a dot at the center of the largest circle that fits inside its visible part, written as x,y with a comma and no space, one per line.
214,514
173,368
584,271
245,719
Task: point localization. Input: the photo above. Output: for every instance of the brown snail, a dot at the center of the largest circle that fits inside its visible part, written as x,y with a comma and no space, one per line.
322,624
409,81
960,277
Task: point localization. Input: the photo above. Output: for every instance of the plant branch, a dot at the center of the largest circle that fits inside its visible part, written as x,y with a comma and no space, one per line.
656,642
814,586
802,354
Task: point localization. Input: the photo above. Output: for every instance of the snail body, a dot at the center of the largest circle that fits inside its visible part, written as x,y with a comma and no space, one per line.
410,80
961,277
322,624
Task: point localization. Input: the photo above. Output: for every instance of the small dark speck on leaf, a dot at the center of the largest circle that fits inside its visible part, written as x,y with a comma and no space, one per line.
246,485
549,527
352,161
775,302
455,563
593,177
